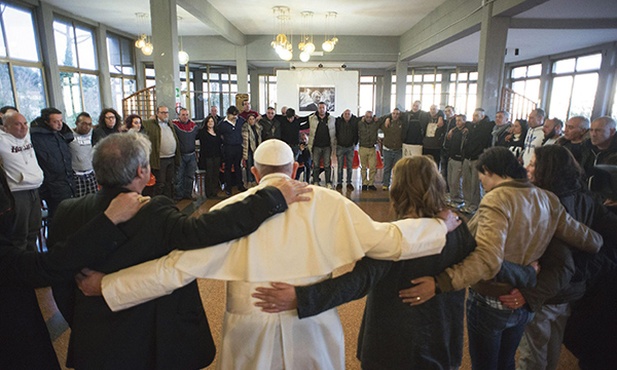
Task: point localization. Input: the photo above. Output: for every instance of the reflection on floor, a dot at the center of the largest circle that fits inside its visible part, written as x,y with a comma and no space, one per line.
374,203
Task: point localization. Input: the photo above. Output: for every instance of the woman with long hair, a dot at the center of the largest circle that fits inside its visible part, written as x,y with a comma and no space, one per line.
515,141
555,169
133,123
210,156
515,222
394,334
109,123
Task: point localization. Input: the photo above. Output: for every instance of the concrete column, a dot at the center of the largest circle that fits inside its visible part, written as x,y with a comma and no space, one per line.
48,53
401,83
387,93
493,37
255,94
164,22
601,105
242,71
103,61
545,85
198,101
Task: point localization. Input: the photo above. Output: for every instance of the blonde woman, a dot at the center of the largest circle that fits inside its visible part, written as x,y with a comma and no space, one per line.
397,335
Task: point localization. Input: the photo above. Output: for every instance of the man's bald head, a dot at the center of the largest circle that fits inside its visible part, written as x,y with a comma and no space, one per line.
15,124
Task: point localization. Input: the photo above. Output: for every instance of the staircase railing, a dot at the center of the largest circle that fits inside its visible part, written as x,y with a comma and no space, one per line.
518,105
143,102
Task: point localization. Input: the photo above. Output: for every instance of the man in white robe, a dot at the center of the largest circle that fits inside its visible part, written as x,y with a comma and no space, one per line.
302,246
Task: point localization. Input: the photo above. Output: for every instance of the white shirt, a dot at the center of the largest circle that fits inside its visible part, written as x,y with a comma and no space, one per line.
533,140
301,246
18,160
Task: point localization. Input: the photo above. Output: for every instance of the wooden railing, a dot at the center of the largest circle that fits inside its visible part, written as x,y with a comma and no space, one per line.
518,105
143,102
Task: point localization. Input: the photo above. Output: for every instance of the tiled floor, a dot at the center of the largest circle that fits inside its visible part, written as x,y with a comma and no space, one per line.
375,203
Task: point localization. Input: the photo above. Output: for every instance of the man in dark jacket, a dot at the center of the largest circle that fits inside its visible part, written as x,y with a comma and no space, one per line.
171,332
51,138
601,148
346,140
479,137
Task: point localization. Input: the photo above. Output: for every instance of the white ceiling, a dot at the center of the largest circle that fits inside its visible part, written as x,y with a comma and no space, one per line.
372,17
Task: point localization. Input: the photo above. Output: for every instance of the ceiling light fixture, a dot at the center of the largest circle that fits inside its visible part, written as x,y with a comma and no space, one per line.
330,40
282,43
143,41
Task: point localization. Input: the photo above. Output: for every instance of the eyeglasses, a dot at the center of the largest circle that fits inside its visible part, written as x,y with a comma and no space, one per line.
110,117
164,111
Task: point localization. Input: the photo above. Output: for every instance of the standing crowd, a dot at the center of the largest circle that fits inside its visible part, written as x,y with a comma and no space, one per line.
536,250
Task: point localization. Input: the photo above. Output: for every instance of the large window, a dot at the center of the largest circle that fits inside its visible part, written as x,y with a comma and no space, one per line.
574,86
76,52
525,81
267,92
368,94
21,70
457,87
463,91
220,86
121,68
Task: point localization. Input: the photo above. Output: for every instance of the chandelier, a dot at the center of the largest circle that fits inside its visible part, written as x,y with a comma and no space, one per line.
143,41
283,43
330,38
183,56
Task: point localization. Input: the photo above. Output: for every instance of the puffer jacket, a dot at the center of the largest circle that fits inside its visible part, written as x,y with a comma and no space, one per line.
515,222
54,157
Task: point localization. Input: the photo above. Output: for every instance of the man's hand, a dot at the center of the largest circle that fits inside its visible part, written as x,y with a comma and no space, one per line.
422,291
292,190
387,123
536,266
281,297
450,218
124,206
89,282
513,300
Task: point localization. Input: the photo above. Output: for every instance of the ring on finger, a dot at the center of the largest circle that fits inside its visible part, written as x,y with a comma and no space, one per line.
418,298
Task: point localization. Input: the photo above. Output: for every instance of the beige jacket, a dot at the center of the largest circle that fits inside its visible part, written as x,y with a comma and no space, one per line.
515,222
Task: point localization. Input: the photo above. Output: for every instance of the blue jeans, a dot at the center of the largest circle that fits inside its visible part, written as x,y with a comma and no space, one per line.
494,334
344,152
325,154
185,176
390,157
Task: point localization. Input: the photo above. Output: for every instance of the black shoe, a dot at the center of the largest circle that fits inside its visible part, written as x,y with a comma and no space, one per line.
350,187
364,188
241,188
339,187
372,188
227,192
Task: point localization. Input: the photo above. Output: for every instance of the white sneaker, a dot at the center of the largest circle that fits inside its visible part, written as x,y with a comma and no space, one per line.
330,186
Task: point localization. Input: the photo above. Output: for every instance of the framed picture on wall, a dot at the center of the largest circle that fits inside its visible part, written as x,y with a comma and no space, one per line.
310,96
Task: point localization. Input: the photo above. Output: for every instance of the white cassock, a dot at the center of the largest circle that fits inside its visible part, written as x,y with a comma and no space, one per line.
300,246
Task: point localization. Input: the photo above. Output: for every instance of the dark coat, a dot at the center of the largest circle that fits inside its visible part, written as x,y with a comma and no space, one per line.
54,157
24,338
171,332
591,155
102,131
393,334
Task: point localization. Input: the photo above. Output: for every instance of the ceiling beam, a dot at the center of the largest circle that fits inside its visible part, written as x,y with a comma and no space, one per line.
452,20
559,24
206,13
